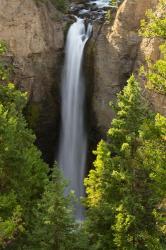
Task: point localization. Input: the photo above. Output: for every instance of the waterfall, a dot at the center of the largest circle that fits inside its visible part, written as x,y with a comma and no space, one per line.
73,141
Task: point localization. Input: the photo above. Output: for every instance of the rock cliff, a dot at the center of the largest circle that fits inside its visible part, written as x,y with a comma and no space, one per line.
115,51
34,34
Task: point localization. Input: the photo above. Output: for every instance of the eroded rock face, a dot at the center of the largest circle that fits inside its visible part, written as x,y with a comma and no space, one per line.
115,50
34,35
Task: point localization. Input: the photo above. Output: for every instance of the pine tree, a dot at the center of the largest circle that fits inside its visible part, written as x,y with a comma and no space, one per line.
54,224
34,214
124,189
23,174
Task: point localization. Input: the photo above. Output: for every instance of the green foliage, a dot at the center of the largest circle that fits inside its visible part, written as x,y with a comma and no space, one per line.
10,226
155,26
54,225
115,2
127,185
22,172
34,214
155,74
4,72
3,48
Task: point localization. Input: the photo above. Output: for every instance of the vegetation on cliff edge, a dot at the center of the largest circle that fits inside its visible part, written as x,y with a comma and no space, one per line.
155,27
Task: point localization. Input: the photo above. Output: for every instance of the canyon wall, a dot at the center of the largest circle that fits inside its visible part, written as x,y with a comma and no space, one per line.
34,34
115,50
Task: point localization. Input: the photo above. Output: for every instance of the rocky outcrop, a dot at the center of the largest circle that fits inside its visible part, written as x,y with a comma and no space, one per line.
115,50
34,35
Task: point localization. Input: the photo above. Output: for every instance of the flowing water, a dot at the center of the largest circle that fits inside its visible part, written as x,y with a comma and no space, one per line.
73,141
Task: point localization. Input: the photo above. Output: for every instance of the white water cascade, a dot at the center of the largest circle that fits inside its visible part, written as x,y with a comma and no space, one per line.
73,141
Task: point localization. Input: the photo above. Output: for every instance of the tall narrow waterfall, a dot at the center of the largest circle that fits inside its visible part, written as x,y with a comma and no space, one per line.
72,152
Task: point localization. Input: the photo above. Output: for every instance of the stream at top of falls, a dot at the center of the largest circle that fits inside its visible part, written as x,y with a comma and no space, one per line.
73,138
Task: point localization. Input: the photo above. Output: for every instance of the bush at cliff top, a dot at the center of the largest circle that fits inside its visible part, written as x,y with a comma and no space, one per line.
155,27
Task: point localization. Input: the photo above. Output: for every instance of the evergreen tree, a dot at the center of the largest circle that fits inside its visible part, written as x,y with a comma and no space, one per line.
54,224
23,174
34,214
126,186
